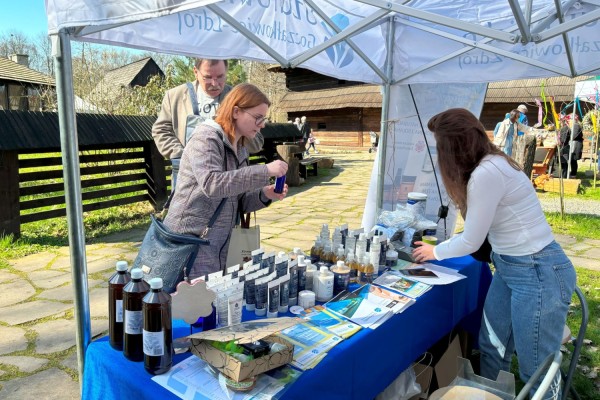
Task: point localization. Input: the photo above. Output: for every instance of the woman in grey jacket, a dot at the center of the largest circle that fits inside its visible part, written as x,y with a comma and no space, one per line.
215,166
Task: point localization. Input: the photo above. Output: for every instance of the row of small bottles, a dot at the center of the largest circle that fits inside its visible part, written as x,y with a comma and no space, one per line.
140,319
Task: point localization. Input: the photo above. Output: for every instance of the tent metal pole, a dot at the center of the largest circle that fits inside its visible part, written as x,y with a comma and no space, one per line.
249,35
354,47
448,56
443,20
549,17
385,110
568,51
338,37
70,158
521,21
567,26
482,45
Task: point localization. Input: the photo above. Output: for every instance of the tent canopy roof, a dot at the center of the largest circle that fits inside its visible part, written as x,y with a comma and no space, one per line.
429,40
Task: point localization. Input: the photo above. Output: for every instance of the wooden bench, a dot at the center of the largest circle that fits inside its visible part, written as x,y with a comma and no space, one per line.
306,163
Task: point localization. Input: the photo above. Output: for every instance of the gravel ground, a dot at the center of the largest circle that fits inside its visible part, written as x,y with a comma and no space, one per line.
573,205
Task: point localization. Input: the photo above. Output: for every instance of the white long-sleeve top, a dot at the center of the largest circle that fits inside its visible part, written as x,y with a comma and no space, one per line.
501,201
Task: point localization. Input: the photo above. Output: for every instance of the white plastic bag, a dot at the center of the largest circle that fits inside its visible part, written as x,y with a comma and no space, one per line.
403,387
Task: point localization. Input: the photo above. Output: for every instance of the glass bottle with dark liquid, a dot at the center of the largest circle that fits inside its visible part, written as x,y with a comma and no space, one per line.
133,293
115,304
158,334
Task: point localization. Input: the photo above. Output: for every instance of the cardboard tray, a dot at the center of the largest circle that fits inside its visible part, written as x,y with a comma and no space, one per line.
245,332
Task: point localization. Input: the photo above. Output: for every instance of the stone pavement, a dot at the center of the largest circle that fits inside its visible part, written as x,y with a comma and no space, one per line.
37,327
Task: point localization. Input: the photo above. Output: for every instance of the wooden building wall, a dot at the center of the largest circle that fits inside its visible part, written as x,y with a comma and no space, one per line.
301,80
148,71
344,127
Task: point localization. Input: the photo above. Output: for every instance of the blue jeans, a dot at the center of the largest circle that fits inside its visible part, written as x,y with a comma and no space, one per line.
525,310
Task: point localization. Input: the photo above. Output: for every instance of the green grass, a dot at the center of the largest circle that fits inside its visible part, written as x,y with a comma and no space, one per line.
589,282
581,226
45,235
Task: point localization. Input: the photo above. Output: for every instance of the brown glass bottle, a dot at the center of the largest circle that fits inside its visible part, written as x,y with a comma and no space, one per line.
158,333
115,304
133,294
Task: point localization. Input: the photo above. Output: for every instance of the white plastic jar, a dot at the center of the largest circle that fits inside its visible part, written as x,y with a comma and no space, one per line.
416,203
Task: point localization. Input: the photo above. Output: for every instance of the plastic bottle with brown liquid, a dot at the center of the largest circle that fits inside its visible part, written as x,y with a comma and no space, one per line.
116,283
315,251
339,254
133,295
157,333
368,269
353,264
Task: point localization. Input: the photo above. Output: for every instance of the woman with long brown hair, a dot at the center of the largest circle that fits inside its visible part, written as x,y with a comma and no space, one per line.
526,306
214,166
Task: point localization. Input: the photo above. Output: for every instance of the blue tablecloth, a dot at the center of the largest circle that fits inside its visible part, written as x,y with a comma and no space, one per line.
358,368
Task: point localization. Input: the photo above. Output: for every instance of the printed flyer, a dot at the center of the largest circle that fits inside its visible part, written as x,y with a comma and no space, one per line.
326,320
358,309
394,280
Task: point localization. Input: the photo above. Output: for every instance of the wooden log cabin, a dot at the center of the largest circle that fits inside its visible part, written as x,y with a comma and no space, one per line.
342,113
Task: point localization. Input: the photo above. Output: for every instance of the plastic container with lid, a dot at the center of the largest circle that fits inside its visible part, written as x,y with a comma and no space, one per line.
324,284
416,203
341,280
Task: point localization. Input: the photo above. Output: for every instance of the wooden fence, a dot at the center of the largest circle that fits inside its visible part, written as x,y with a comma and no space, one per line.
111,175
119,164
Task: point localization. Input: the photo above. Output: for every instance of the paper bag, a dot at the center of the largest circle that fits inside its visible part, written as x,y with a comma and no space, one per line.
241,244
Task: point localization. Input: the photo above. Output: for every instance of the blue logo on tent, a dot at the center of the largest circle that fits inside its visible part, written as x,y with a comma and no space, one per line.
340,54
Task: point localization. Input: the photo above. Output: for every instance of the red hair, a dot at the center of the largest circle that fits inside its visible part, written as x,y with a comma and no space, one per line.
244,95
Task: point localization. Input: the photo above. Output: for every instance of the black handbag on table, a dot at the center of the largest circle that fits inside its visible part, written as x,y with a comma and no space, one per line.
168,255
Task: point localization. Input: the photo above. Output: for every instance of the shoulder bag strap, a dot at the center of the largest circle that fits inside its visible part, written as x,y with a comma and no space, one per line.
194,98
221,204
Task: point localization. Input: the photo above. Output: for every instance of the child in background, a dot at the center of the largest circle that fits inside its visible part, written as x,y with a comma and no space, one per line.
311,143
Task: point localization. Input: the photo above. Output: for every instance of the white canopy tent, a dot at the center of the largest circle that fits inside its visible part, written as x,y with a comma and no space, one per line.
386,42
588,90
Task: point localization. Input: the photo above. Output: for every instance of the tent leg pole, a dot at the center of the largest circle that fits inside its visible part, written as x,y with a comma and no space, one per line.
385,108
70,158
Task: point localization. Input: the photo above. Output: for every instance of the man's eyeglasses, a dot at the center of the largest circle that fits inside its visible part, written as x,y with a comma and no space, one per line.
210,79
259,119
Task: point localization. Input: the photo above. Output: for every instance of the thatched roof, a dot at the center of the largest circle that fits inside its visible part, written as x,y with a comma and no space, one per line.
527,90
369,96
362,96
12,71
122,77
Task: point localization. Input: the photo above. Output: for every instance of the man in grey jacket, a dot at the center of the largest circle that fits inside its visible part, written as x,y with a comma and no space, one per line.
169,130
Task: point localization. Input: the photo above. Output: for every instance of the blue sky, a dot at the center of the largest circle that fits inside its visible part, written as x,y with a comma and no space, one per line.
26,16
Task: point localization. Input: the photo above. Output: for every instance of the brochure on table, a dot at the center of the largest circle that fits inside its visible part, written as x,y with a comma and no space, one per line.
328,321
194,379
395,281
311,344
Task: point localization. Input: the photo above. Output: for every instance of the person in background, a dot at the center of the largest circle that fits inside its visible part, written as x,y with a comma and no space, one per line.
297,122
305,129
566,143
527,303
209,88
507,131
507,116
311,143
523,120
214,166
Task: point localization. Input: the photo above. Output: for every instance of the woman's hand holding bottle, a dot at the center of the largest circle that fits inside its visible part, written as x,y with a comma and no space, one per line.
269,192
277,168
